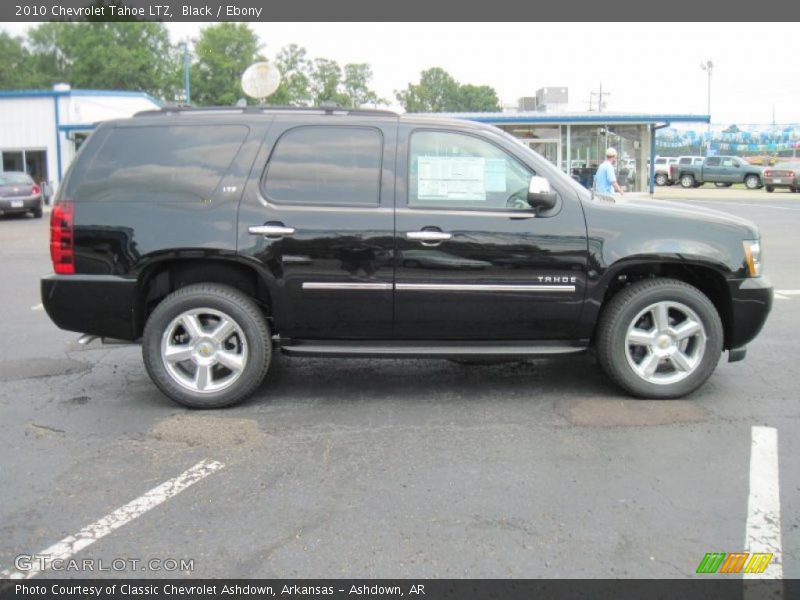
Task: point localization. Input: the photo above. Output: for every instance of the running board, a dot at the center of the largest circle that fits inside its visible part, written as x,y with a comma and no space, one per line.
432,349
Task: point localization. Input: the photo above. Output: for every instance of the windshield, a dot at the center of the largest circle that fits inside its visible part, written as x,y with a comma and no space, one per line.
14,178
548,169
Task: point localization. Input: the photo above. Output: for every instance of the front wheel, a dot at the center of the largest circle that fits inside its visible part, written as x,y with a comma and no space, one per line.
659,339
661,179
752,182
207,346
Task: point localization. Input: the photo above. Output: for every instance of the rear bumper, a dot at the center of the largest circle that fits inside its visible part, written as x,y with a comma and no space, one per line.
751,301
780,182
7,205
102,305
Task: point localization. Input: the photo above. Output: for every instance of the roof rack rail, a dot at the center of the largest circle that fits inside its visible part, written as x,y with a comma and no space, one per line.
266,109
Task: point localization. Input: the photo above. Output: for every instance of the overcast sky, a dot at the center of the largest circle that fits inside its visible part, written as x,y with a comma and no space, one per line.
646,67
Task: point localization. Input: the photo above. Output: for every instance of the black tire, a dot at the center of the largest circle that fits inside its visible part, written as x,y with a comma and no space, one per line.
770,189
687,181
246,315
721,184
623,308
752,182
661,179
37,212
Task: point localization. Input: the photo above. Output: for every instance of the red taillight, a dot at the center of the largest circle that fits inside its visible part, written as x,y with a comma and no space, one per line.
789,173
35,190
62,241
767,173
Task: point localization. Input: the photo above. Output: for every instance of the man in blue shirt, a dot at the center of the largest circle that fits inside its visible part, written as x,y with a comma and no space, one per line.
605,180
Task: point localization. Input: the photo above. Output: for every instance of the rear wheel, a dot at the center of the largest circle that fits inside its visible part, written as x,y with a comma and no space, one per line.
687,181
37,212
752,182
770,189
659,339
207,346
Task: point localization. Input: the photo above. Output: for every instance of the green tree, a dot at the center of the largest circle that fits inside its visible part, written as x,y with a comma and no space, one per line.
105,55
476,98
222,54
326,75
294,67
357,77
435,92
15,63
438,91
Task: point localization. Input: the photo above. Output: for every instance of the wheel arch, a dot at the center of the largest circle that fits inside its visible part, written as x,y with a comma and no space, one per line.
164,276
709,280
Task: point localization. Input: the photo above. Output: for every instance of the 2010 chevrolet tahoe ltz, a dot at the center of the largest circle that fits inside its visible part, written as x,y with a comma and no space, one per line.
218,236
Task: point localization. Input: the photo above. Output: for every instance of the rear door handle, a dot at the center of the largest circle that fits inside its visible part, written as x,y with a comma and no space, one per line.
272,230
428,236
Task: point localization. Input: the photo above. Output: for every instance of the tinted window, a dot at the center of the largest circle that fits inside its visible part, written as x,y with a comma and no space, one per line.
661,161
326,165
177,163
685,161
452,170
712,162
729,162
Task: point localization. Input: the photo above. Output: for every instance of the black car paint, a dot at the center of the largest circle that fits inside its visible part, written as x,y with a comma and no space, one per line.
121,245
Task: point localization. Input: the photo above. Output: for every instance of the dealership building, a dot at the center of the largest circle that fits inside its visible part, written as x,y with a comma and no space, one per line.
577,142
40,130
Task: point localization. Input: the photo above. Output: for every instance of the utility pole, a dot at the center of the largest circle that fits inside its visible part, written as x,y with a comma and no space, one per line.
708,66
599,95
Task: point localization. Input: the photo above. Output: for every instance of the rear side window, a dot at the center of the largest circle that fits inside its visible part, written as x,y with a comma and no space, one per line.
712,162
685,161
325,165
178,163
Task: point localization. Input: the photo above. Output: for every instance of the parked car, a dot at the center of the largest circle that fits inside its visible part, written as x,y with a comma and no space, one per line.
782,175
19,194
662,174
217,237
683,162
723,171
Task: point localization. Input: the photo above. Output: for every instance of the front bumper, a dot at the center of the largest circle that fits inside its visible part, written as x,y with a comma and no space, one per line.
101,305
751,301
21,204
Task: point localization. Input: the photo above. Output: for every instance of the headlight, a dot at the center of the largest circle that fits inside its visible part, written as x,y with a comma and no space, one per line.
752,253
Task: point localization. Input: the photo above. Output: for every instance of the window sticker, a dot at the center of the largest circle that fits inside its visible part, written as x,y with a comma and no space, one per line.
495,175
451,178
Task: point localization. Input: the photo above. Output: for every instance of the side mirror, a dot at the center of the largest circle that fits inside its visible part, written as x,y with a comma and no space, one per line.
539,193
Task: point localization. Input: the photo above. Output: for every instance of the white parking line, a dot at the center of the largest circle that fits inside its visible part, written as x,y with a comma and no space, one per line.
87,536
39,306
763,530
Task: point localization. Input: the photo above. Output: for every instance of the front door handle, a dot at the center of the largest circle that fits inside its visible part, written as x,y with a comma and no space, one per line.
428,236
272,230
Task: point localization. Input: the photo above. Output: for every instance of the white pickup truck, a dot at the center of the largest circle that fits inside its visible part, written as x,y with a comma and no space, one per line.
662,169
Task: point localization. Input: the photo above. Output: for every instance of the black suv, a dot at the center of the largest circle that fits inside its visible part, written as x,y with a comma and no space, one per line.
216,236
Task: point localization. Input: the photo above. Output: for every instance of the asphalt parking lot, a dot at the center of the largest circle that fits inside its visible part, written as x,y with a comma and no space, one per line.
383,468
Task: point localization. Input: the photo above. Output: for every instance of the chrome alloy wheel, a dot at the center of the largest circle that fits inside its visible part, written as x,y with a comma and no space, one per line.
665,342
204,350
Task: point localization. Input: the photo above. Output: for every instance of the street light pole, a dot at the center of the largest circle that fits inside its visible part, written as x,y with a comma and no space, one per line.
708,66
187,94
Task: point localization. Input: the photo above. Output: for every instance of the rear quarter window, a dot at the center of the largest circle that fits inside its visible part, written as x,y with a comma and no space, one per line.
325,165
176,163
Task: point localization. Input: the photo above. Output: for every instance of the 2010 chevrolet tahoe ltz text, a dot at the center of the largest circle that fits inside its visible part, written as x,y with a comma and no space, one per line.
218,236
